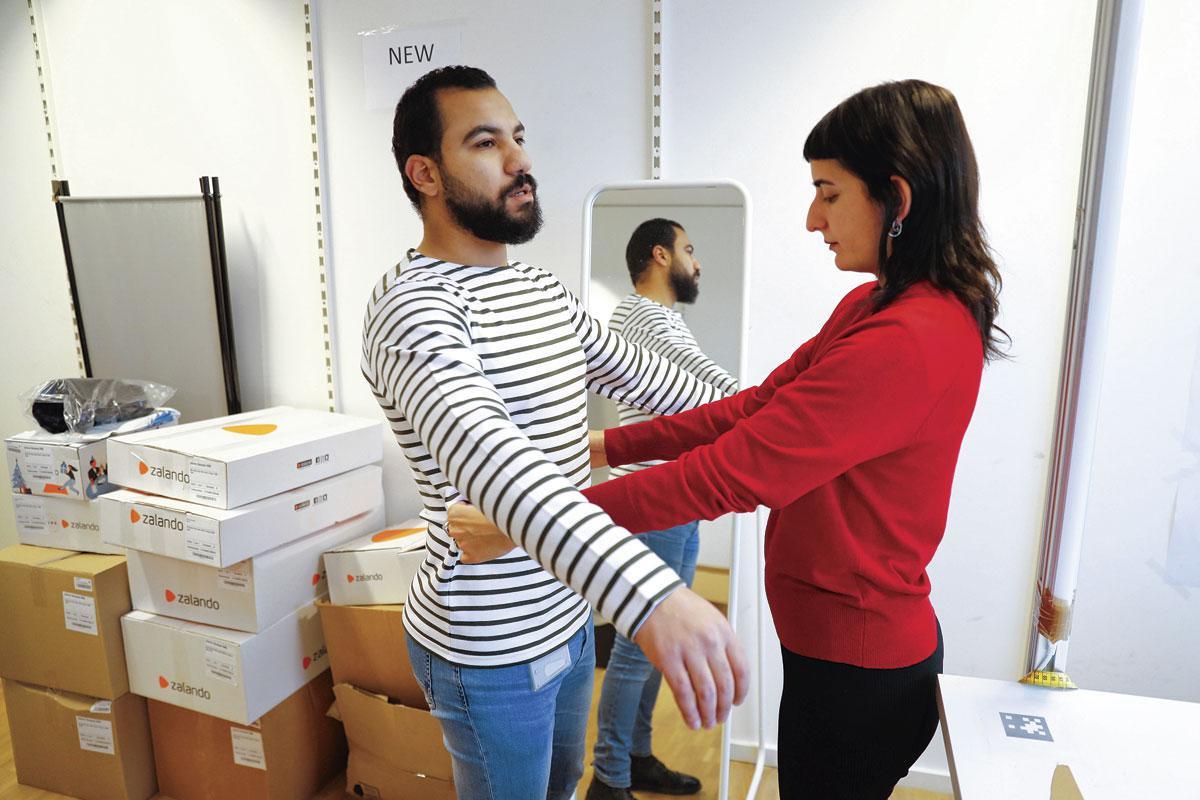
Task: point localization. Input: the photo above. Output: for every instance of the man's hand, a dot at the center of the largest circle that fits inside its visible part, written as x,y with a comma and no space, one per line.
596,449
694,648
477,538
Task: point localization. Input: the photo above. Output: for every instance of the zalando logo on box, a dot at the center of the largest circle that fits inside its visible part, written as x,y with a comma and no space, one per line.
361,578
80,526
156,520
316,656
184,688
187,599
179,476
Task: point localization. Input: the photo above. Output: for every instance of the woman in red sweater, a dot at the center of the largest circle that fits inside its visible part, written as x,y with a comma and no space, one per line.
852,442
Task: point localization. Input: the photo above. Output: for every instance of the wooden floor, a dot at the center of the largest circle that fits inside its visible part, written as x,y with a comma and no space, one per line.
697,752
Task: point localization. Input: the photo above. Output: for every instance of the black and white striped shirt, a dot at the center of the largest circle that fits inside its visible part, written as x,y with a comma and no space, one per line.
656,327
482,373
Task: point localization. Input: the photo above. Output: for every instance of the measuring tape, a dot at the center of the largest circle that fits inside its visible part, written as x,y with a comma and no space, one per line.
1049,680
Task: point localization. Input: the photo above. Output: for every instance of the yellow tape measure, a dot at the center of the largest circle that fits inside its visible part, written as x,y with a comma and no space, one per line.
1049,680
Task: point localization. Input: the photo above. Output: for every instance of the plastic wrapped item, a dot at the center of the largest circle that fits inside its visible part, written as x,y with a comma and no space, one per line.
77,405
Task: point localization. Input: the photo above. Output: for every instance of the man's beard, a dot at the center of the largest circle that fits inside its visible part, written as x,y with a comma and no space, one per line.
686,286
488,220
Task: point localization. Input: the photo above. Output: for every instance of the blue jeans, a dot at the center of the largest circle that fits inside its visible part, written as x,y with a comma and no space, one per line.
631,682
510,741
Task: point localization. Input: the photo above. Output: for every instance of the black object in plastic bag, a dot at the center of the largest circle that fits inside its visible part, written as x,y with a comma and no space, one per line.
80,404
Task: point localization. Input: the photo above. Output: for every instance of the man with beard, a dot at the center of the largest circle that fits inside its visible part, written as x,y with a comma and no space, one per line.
481,365
664,270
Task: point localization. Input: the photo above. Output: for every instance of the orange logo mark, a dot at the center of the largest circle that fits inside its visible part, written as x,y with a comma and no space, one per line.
163,682
64,524
394,533
134,517
170,596
142,468
316,578
306,662
349,579
251,430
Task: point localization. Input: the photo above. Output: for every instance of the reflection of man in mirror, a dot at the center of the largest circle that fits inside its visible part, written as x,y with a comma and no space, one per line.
481,365
664,269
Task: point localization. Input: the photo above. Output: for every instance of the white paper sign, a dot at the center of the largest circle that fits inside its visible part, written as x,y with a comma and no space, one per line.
79,613
248,748
393,58
95,735
83,584
220,660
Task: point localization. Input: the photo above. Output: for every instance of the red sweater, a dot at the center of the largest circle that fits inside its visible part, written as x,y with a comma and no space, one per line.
852,444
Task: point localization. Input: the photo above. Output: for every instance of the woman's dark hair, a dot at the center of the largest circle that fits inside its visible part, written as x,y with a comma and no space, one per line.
915,130
417,126
657,232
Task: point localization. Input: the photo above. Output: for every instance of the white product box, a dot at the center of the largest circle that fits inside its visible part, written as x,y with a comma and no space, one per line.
231,461
62,523
233,675
220,538
248,596
376,569
54,465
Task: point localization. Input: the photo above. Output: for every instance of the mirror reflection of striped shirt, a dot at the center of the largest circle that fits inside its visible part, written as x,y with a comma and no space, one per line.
663,330
482,374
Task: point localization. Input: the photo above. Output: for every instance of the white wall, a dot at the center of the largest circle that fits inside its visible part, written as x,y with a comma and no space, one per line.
150,96
576,75
742,91
1136,625
35,300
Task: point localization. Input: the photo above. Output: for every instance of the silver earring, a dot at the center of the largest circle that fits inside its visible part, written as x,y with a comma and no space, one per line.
897,229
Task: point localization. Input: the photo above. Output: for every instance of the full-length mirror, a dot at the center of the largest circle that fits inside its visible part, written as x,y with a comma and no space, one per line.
704,292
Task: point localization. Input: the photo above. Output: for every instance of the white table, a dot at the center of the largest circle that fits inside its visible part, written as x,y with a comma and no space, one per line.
1118,746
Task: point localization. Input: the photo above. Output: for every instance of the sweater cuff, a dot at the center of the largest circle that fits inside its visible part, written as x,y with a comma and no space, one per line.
616,446
615,498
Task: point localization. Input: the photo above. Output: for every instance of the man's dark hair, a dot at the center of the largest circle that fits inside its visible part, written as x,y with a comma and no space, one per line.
650,234
417,127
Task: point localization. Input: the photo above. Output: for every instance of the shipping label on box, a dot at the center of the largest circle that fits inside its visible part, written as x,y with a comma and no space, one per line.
248,596
61,613
378,568
54,465
75,745
217,537
62,523
229,674
228,462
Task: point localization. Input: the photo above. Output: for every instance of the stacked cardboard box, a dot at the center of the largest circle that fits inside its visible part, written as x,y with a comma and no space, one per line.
75,728
225,522
396,746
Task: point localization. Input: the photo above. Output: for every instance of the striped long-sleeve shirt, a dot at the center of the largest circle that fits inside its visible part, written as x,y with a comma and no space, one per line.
656,327
482,373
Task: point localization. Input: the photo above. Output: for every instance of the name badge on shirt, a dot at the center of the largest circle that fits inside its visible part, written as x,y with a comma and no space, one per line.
548,666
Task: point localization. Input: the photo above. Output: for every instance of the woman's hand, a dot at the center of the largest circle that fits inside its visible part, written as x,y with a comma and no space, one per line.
596,449
477,538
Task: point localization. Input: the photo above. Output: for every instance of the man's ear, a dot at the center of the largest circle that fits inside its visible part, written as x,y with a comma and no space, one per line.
660,255
422,172
903,195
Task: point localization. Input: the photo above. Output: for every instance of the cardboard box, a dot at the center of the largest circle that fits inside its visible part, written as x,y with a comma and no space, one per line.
62,620
58,465
61,522
378,568
289,754
220,538
367,649
233,675
80,746
395,751
231,461
250,596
